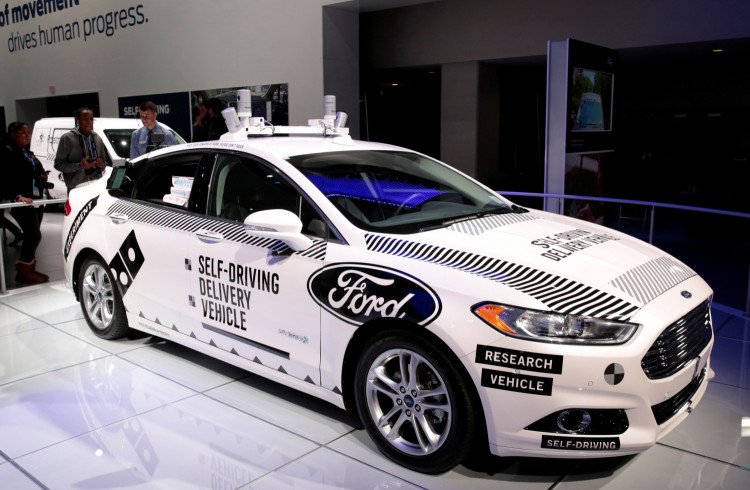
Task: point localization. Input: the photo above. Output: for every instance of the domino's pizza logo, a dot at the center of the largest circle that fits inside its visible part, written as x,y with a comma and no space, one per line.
127,262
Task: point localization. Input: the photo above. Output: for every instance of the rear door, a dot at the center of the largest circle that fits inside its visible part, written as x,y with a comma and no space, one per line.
153,227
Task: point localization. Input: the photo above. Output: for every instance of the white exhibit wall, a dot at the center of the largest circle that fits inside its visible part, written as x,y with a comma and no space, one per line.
131,47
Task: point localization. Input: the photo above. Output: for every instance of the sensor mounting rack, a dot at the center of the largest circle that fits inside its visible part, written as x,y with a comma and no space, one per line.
242,125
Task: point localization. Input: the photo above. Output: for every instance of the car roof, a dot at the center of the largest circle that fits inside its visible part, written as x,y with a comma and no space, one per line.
284,147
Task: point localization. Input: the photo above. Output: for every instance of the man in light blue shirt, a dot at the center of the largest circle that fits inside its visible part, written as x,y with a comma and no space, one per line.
142,138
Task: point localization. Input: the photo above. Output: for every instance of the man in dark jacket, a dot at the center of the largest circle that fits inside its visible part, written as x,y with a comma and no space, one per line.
81,154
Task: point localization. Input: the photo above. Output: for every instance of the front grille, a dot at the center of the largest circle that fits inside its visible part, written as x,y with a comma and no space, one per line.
667,409
679,343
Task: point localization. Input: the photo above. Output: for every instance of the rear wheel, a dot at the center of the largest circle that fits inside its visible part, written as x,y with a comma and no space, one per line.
100,300
414,403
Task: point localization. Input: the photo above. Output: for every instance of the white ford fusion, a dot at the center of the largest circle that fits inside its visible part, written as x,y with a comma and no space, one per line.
386,282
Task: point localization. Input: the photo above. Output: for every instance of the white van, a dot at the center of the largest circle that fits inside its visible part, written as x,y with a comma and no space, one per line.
114,132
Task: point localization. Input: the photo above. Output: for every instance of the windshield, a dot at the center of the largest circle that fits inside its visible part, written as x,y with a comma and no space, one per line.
120,141
395,191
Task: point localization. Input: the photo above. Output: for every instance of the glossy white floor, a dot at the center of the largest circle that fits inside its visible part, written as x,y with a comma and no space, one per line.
78,412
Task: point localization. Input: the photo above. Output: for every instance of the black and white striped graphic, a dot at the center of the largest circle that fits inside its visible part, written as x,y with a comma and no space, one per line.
316,251
649,280
482,225
558,293
182,220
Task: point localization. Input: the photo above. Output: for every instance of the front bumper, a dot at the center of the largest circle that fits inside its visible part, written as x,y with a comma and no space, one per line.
602,386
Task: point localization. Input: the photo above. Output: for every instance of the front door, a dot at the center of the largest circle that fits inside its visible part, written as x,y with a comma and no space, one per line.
249,294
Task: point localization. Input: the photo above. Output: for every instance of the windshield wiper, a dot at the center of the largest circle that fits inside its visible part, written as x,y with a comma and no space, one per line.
449,222
468,217
497,211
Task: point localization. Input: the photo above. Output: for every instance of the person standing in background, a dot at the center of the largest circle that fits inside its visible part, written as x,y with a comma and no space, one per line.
142,137
20,170
213,125
198,121
81,154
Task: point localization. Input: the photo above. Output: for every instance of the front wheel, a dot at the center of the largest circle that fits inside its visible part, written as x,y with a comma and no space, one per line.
414,404
100,300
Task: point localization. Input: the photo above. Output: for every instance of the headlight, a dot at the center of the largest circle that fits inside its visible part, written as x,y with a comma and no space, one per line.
553,327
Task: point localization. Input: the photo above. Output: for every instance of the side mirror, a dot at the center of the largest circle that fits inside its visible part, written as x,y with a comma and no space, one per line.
278,224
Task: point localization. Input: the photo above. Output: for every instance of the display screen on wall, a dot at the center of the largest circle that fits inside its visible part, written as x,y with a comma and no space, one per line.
590,98
269,101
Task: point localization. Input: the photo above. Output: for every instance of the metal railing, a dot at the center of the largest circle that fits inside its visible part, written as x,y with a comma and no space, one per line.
8,205
647,204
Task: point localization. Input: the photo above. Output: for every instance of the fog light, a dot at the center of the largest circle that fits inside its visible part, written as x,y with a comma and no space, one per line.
580,421
574,421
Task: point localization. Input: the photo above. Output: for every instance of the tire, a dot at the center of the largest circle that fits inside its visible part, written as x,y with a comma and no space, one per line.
413,403
100,300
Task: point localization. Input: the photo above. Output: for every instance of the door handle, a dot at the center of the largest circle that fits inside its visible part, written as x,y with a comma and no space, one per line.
118,218
207,236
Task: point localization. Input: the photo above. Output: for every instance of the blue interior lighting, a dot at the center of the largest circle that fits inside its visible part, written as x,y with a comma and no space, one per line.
385,191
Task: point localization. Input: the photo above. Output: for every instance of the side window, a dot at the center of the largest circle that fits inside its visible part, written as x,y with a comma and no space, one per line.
168,180
241,186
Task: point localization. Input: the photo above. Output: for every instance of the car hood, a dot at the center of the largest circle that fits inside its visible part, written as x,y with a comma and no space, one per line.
569,265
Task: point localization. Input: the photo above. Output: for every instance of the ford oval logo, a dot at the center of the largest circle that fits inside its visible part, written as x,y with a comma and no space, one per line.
686,294
357,293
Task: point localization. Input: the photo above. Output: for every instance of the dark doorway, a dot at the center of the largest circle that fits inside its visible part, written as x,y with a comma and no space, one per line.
402,107
522,128
65,105
31,110
684,135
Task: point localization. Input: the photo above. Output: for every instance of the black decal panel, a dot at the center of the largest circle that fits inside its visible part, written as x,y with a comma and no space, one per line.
80,218
516,359
521,383
357,293
581,443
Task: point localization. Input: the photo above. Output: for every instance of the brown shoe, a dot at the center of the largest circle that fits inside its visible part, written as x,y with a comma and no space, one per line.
45,276
25,273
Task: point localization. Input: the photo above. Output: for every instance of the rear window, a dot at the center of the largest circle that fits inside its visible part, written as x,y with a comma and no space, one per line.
120,141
